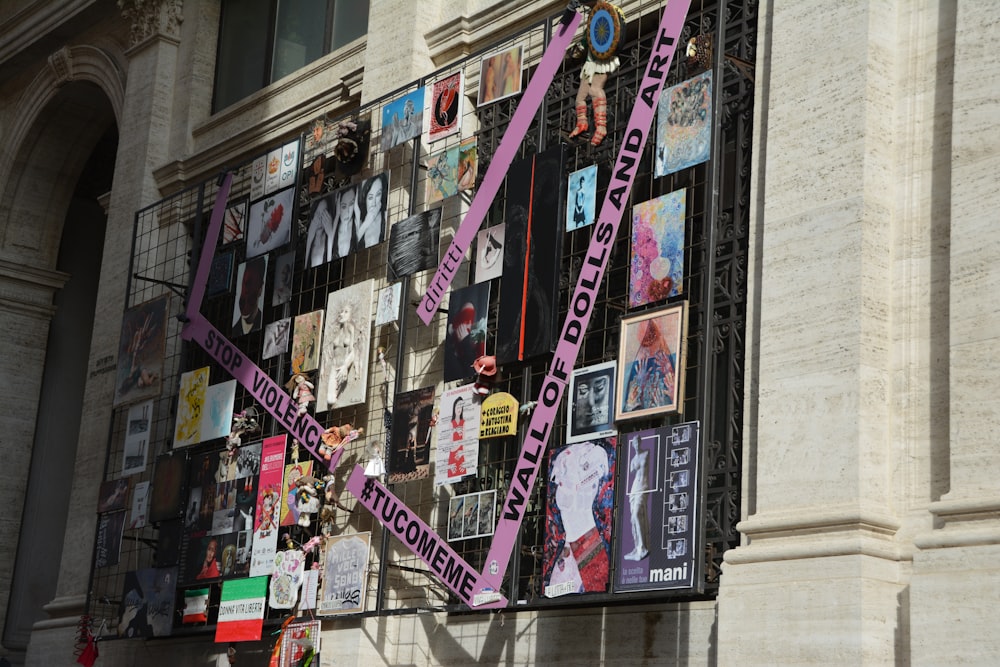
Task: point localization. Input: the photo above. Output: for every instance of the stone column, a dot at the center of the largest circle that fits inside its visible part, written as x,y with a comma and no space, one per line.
957,568
143,145
836,474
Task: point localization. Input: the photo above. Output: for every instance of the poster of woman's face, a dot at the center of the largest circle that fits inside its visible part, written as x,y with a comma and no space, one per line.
343,373
489,253
388,304
413,244
284,268
270,222
500,76
651,363
581,198
591,395
248,310
374,206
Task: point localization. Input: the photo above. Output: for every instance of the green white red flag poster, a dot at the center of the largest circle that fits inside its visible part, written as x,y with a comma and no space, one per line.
241,610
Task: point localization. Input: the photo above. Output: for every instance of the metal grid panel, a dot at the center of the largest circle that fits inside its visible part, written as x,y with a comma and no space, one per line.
715,259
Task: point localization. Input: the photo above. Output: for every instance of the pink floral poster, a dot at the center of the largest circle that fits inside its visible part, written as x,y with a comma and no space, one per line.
657,269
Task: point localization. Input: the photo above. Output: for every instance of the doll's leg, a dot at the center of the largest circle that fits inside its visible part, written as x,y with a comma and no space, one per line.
600,102
581,108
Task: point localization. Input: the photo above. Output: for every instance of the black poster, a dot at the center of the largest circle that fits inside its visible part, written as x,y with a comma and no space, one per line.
658,512
527,324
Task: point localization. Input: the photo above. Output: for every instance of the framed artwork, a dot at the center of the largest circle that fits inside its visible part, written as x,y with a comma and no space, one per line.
581,498
402,119
345,574
581,201
112,495
284,269
343,376
289,508
413,244
234,223
442,175
445,104
248,310
217,412
651,363
306,340
276,336
468,163
190,401
465,340
489,252
220,276
270,223
472,515
388,304
500,76
138,431
684,125
591,413
373,205
140,351
410,438
658,509
299,641
457,454
656,271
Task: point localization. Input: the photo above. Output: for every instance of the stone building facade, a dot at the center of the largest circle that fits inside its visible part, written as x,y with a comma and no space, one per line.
869,520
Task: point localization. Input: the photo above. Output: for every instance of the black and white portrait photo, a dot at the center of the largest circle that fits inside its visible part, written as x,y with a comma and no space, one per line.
591,392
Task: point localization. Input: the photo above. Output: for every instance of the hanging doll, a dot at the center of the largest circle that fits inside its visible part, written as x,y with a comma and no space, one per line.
244,422
602,38
336,437
307,498
375,467
302,391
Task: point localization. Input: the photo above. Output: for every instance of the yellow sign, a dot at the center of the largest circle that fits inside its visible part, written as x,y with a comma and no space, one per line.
499,416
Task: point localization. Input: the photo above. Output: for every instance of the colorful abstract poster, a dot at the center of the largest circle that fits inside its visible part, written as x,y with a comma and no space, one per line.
289,510
138,430
343,376
468,163
387,310
581,202
528,318
657,268
500,76
276,337
658,511
306,340
140,505
465,340
577,554
110,527
442,175
190,402
168,484
591,410
457,454
403,119
140,351
684,125
220,276
299,641
472,515
248,307
489,252
147,606
217,412
284,272
345,574
413,244
446,99
268,508
241,610
269,225
286,578
234,223
412,413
